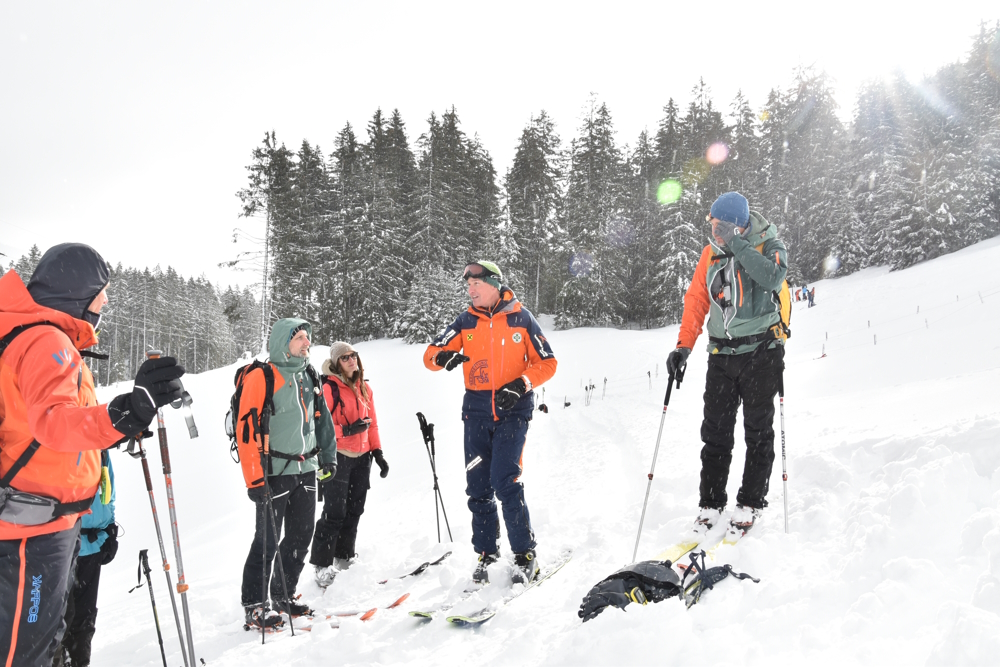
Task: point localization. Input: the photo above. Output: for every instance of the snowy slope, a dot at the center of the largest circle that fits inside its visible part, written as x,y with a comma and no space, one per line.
893,555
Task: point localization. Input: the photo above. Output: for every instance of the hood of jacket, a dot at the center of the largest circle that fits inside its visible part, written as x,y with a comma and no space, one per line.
277,344
68,277
17,308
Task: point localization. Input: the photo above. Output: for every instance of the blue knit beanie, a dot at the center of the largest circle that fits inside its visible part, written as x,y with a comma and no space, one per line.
732,207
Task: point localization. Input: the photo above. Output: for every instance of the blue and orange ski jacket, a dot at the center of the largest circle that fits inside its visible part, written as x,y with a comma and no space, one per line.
503,343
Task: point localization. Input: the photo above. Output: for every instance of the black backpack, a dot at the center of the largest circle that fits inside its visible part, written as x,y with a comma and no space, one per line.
260,421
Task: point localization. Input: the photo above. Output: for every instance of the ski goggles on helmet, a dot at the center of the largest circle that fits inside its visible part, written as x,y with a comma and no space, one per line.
481,271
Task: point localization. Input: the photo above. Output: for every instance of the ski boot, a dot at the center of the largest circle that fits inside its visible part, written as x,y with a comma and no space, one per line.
742,521
262,619
325,575
525,567
481,577
707,518
293,608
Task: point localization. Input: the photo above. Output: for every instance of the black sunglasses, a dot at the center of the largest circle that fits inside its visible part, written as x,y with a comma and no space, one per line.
352,355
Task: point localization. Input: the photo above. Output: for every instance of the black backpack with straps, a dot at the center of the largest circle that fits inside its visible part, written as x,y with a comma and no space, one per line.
260,421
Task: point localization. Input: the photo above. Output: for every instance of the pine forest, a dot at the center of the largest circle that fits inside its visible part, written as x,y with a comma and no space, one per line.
368,239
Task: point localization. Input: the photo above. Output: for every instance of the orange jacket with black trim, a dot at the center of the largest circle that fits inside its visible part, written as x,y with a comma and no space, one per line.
47,394
349,407
503,344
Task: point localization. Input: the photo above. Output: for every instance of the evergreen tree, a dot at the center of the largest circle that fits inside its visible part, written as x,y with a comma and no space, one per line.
533,187
592,215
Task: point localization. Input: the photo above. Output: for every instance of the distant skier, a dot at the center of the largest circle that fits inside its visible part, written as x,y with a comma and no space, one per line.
301,441
352,407
505,357
812,297
733,285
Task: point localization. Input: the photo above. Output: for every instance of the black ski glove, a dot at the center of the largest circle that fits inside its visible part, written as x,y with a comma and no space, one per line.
257,493
110,547
677,359
508,395
360,426
449,359
157,383
724,232
380,460
327,473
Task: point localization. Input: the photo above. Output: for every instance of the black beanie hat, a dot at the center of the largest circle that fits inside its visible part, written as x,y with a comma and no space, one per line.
68,277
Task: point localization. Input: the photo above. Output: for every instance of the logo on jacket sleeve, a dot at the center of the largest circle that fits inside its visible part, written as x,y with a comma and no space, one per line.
516,337
468,336
478,374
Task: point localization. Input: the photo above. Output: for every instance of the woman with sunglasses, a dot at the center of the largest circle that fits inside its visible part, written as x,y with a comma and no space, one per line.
352,407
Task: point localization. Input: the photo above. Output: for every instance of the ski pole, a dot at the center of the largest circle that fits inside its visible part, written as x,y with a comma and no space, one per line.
269,508
663,415
137,442
182,587
144,569
784,469
427,431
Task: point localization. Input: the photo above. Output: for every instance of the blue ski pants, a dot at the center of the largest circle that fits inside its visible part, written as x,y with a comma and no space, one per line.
499,446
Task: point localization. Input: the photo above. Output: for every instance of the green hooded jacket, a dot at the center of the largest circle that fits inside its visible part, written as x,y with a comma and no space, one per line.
294,428
740,283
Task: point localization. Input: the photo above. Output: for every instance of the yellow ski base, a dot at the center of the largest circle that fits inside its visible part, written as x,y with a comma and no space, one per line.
674,552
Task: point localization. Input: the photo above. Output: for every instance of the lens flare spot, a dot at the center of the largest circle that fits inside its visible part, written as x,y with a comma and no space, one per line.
831,265
669,191
717,153
581,264
764,115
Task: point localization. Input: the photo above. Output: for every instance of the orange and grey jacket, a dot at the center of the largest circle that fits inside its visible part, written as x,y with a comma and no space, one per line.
503,344
301,437
736,288
47,394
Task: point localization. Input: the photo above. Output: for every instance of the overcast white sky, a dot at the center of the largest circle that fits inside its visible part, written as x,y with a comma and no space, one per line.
128,125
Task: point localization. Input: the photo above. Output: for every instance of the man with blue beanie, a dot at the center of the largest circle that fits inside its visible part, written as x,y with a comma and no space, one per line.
734,284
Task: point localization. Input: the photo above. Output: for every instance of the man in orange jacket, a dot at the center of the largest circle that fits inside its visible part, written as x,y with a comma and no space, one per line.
504,356
735,286
52,431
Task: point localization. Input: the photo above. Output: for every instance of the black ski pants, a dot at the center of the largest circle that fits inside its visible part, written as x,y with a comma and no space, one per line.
81,610
35,577
294,508
753,378
344,499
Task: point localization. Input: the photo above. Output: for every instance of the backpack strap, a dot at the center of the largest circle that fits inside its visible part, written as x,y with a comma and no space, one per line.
334,392
17,331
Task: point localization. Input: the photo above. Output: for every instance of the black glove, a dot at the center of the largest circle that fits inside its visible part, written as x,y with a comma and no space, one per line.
327,473
380,460
360,426
257,493
157,383
605,594
724,232
449,359
508,395
110,547
677,359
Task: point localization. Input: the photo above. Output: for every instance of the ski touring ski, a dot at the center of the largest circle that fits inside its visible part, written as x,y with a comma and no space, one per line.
419,569
333,618
489,612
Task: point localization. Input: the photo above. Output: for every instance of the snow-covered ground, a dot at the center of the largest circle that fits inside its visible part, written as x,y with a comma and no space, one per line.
893,554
